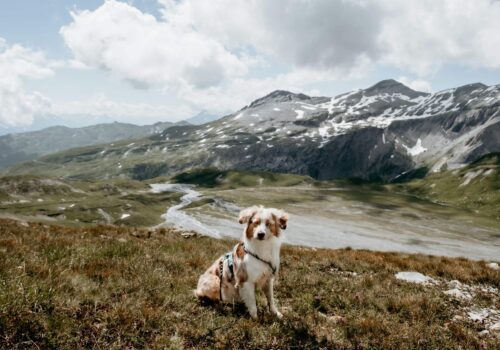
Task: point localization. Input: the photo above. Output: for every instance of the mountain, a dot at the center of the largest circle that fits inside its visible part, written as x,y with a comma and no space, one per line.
385,132
202,118
30,145
47,120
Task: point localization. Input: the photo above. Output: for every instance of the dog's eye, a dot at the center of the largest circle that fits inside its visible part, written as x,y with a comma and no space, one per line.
268,224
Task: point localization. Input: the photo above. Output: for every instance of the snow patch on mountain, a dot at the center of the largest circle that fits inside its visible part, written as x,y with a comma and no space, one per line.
415,150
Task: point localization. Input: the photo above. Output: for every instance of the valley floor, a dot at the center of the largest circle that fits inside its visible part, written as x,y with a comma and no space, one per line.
340,217
121,287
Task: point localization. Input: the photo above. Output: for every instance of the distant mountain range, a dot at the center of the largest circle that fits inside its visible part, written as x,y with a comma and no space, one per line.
202,118
386,132
46,121
30,145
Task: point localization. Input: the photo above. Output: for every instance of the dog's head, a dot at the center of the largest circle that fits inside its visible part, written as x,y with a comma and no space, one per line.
263,223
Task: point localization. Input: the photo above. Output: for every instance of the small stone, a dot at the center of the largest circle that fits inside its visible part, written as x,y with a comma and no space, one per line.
457,293
458,318
455,284
493,266
415,277
495,327
189,234
479,315
337,319
483,333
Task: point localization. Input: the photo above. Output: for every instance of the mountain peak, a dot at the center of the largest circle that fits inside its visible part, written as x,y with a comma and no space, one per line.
466,89
391,86
279,96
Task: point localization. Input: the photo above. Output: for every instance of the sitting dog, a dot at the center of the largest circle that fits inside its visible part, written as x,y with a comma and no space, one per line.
253,263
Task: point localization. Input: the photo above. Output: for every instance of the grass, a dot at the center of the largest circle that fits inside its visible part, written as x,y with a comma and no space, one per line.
231,179
79,202
480,193
121,287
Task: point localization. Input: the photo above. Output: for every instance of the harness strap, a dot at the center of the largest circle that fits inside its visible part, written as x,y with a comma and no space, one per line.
273,269
230,264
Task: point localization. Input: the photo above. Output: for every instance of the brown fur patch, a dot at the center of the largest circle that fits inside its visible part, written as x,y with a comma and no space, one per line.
241,275
251,225
283,220
215,268
240,252
249,230
274,226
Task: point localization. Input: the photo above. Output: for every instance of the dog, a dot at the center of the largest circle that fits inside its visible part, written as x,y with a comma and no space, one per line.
252,264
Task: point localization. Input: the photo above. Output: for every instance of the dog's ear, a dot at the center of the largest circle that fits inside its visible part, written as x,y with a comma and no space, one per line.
246,214
282,217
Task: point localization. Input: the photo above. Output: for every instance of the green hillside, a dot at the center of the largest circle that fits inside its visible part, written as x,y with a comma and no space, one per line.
475,187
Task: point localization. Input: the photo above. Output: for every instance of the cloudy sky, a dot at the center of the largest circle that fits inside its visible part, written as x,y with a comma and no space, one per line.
142,61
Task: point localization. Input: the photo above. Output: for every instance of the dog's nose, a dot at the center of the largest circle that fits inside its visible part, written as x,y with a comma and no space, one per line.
261,235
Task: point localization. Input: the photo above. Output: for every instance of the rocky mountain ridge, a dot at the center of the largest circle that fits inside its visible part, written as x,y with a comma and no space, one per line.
380,133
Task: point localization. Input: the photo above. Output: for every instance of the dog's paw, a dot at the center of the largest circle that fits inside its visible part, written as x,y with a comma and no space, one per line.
279,315
253,315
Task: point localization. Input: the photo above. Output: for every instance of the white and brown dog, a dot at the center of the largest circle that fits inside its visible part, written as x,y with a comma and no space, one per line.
252,264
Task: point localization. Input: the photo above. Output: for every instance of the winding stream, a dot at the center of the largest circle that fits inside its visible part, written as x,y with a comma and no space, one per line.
336,223
176,217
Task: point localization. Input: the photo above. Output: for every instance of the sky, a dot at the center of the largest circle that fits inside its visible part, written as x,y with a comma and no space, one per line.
143,61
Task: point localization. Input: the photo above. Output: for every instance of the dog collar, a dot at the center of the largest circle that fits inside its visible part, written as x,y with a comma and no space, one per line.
273,269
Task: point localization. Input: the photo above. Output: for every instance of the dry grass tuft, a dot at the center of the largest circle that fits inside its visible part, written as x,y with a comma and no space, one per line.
118,287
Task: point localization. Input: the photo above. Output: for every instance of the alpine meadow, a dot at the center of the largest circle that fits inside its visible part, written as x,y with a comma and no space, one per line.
288,174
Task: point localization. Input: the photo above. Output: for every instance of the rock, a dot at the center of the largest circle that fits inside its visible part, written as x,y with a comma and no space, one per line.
493,265
478,315
455,284
457,293
337,319
189,234
415,277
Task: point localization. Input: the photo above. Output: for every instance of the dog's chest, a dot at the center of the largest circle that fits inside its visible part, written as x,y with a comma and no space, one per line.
258,273
264,277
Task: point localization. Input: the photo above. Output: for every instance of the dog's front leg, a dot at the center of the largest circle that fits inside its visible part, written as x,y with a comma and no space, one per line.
247,293
269,291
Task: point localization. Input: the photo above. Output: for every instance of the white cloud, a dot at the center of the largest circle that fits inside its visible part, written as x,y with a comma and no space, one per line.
320,34
424,35
141,113
147,52
206,52
420,36
18,63
416,84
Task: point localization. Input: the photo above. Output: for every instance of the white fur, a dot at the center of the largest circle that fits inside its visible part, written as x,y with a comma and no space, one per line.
260,275
250,273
